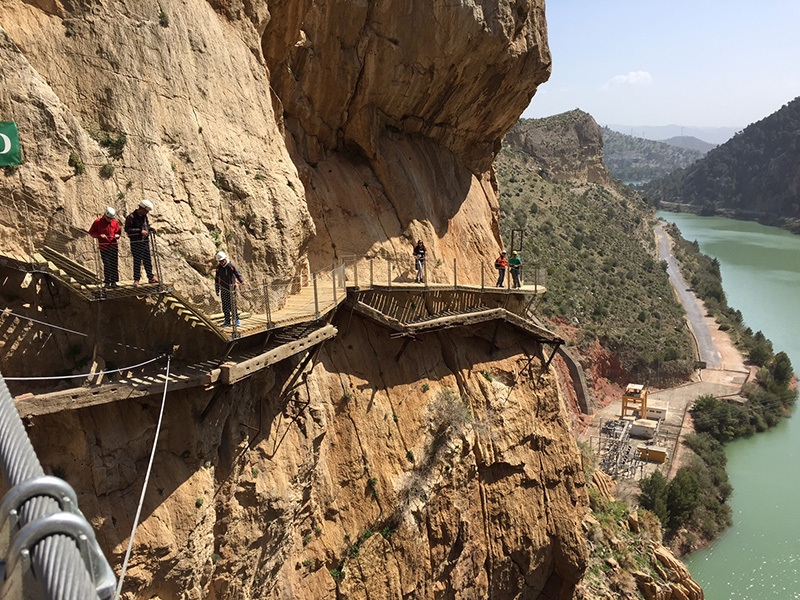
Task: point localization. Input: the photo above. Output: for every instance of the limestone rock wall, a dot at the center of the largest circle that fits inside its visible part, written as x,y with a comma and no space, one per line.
448,472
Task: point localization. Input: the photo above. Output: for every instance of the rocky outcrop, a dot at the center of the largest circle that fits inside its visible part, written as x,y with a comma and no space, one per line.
445,473
566,147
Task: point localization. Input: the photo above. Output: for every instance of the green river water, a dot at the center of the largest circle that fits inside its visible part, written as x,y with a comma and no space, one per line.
758,558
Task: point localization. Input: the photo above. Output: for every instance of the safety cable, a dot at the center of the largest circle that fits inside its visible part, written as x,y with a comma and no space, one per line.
144,486
7,311
147,362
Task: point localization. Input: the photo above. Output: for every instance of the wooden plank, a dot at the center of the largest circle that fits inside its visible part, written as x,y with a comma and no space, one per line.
233,372
83,397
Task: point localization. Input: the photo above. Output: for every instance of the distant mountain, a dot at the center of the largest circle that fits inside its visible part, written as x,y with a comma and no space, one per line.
713,135
637,160
755,175
690,143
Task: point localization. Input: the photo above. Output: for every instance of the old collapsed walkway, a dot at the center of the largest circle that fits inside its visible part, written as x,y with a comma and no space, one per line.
295,315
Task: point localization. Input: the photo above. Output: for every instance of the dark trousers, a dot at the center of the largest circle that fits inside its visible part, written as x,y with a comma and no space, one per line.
110,259
141,256
228,298
515,276
501,277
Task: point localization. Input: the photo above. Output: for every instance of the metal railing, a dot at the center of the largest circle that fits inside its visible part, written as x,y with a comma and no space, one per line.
275,303
51,235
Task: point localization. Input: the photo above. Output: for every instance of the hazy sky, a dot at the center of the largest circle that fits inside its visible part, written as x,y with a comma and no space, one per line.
708,63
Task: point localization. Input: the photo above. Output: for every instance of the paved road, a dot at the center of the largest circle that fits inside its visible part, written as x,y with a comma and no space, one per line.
705,345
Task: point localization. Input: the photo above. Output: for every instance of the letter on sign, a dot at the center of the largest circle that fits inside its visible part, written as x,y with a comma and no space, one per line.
10,153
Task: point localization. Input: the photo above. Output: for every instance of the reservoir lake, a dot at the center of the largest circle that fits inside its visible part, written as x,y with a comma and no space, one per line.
758,558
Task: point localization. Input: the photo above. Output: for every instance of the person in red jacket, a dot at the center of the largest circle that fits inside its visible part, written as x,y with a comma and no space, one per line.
501,264
106,231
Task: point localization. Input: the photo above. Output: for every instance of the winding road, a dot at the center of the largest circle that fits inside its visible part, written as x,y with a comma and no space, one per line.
706,349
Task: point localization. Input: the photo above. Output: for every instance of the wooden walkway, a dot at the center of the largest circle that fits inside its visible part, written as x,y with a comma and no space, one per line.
298,325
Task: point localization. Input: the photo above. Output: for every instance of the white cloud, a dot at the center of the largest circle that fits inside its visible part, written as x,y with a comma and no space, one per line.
632,78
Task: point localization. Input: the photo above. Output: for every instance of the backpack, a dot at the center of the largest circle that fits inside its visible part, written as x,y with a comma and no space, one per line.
497,264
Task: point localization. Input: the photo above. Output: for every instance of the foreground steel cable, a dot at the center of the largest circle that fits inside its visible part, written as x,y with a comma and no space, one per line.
56,560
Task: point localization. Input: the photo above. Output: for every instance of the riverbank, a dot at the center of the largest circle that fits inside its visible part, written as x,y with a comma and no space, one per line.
723,377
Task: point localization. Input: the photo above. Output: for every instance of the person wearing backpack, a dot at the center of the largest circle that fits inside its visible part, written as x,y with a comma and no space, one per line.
501,264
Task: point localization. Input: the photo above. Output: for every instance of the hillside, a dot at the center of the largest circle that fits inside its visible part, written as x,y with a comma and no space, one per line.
690,143
596,244
755,175
637,160
711,135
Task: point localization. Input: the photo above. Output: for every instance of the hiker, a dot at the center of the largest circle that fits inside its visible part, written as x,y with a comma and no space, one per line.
106,231
515,262
419,259
138,229
225,282
501,264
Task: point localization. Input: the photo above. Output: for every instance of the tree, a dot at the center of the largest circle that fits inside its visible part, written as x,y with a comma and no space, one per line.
782,369
683,496
653,496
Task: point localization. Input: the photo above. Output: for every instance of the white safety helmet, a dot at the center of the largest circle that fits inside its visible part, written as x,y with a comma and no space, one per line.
221,256
110,212
146,204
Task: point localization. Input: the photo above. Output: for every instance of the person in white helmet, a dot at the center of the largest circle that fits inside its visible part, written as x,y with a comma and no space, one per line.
225,283
138,229
106,231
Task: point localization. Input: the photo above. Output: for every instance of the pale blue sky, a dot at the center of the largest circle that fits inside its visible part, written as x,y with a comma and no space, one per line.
710,63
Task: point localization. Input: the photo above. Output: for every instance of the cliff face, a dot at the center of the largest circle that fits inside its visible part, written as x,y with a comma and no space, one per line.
446,473
291,134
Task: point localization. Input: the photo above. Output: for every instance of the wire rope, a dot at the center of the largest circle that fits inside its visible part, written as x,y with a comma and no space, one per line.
144,487
147,362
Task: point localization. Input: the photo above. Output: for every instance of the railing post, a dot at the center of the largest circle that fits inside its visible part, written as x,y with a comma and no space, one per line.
355,274
425,273
156,259
389,271
234,312
455,273
316,298
333,279
483,277
371,280
266,302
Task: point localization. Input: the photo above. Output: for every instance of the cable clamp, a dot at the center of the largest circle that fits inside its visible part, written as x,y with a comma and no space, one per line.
44,485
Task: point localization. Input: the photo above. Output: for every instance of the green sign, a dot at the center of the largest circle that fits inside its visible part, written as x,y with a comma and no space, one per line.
10,153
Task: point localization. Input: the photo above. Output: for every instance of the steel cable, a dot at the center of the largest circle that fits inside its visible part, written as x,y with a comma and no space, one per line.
56,559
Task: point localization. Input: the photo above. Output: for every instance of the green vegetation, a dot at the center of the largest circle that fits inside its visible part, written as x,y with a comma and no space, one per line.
748,177
695,498
106,171
76,162
637,160
114,143
621,541
595,249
